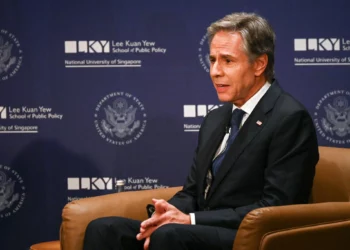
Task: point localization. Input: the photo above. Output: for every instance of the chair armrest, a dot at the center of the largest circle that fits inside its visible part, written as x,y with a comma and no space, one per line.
77,214
307,226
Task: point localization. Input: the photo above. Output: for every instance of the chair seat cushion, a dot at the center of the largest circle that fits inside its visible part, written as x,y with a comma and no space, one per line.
49,245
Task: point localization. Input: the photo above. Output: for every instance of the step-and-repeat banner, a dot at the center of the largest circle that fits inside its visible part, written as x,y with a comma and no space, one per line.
96,91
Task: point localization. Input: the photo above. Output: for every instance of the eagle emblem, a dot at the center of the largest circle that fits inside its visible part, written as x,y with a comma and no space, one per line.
5,56
7,187
338,117
120,119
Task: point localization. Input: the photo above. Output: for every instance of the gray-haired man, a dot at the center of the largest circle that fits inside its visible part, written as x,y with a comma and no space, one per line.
259,149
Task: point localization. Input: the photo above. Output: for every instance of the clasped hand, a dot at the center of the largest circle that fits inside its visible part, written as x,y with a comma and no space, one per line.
164,213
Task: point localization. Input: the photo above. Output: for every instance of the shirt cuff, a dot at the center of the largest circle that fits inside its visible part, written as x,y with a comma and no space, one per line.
193,219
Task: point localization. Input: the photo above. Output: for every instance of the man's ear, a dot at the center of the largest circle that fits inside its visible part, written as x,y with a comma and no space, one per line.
260,64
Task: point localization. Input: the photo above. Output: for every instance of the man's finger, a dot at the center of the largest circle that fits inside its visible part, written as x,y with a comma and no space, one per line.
161,206
146,244
159,202
156,200
146,234
152,222
148,223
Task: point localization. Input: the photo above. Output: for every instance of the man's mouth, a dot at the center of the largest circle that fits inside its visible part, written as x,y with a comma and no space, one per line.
221,87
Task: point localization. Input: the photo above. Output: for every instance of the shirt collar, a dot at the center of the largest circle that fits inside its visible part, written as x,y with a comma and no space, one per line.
249,106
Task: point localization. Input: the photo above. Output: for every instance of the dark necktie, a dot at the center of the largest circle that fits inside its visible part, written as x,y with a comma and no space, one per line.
236,120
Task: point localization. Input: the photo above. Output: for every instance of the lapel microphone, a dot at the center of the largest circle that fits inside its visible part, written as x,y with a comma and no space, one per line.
227,127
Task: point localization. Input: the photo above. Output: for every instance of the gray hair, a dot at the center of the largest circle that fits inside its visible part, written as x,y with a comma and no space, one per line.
258,36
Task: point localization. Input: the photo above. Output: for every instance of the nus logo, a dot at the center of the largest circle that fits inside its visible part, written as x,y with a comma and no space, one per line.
3,112
101,46
317,44
90,183
198,110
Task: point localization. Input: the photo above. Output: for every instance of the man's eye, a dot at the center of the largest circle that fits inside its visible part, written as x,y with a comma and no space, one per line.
228,61
212,60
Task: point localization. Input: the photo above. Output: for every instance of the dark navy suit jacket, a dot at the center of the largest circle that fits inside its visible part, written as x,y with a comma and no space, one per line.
271,162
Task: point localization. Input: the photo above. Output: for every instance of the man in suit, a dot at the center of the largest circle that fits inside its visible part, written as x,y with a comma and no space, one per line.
259,149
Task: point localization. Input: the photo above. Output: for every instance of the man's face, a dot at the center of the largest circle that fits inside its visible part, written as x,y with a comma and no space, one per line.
230,70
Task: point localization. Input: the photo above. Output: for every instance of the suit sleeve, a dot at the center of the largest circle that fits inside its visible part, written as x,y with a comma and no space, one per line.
290,169
185,200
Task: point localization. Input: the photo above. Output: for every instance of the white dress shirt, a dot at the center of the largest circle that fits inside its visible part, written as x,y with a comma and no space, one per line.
248,108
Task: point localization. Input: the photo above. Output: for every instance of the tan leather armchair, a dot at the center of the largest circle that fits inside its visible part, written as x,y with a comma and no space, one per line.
323,224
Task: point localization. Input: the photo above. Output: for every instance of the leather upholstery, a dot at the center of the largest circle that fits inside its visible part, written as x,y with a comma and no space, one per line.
323,224
50,245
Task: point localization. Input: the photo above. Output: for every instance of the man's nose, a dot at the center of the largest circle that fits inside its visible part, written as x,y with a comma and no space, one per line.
215,69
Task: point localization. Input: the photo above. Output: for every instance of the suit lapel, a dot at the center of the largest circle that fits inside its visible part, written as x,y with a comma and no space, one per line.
247,133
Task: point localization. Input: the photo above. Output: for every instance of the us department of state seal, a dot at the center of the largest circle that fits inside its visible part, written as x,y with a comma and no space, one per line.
120,118
332,117
11,55
203,53
12,191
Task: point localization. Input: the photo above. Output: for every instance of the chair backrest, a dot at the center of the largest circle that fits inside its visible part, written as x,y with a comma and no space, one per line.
332,179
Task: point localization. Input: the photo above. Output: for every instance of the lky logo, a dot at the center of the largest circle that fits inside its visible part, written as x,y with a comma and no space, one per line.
317,44
3,112
198,110
100,46
90,183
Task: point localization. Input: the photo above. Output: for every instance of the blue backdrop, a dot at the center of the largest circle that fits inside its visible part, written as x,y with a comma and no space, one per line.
94,91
